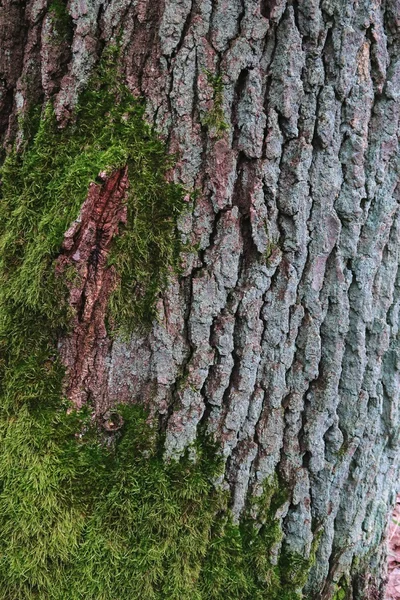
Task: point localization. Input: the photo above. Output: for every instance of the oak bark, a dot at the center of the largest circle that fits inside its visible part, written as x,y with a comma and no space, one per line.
280,336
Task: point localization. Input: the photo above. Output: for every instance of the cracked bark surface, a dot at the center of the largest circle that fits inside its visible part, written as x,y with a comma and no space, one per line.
86,248
281,334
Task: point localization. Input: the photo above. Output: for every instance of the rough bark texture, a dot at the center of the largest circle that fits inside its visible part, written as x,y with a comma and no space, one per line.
86,247
281,334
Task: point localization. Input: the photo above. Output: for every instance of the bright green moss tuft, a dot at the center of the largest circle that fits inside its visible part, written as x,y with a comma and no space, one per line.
342,591
340,594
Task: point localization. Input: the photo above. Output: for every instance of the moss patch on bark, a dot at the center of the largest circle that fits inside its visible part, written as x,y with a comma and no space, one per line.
79,519
45,185
61,19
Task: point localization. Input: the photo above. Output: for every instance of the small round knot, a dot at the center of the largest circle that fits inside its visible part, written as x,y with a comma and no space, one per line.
112,421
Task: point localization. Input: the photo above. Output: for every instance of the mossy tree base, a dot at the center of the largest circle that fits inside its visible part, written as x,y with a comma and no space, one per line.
78,519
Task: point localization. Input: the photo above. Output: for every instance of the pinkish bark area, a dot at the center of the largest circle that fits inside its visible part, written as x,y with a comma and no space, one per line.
393,587
86,248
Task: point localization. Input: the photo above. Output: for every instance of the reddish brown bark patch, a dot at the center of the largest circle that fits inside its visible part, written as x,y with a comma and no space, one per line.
86,248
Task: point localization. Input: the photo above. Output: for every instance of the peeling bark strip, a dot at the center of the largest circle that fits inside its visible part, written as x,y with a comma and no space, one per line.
86,248
281,336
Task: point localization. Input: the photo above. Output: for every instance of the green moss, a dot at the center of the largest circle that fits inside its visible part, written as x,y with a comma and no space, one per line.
270,249
294,568
77,520
215,119
44,187
238,562
342,590
62,22
81,520
340,594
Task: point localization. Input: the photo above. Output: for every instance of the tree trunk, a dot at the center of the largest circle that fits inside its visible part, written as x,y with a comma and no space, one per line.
277,336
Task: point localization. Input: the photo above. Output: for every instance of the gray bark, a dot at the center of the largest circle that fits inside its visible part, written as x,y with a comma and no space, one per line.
281,335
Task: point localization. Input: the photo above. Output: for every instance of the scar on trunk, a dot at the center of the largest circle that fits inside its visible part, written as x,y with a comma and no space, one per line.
86,248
